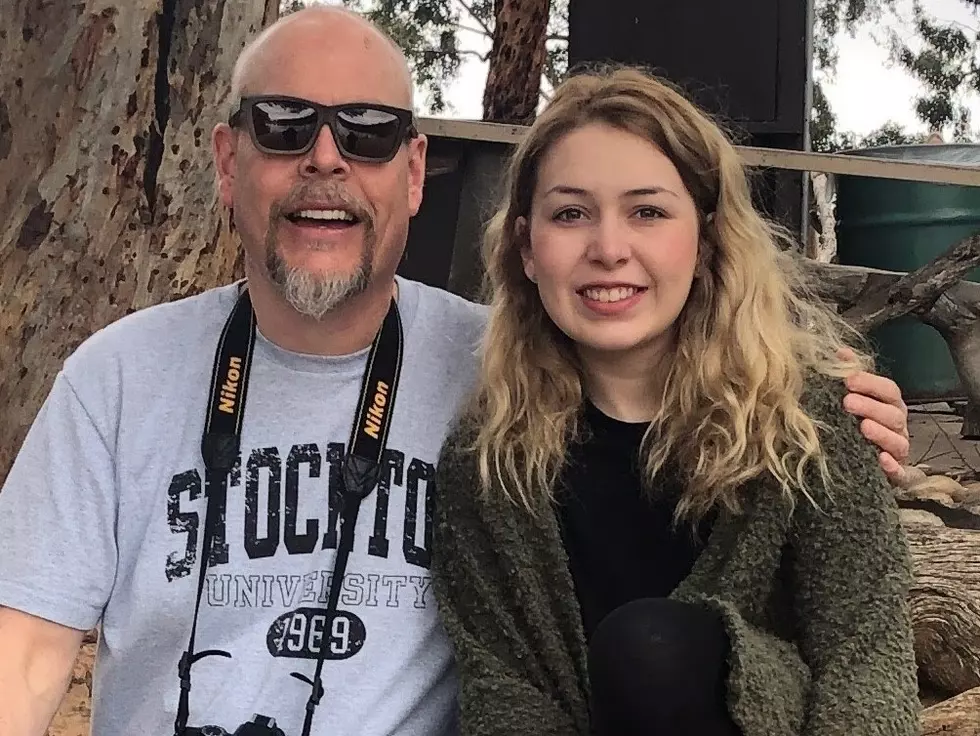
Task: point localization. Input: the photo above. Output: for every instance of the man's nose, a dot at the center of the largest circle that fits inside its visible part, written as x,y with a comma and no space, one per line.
325,157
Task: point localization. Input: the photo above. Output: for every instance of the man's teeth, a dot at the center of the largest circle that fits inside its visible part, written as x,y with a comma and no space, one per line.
611,295
326,215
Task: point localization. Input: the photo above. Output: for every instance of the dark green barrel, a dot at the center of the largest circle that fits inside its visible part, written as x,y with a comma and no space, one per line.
899,226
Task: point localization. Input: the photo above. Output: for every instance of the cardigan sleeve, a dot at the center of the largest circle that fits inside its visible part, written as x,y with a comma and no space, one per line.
853,574
504,687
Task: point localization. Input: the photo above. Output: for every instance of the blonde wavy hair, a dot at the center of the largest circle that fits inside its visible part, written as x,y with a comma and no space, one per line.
748,338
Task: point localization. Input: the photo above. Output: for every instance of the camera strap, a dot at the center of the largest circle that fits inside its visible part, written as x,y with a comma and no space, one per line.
221,445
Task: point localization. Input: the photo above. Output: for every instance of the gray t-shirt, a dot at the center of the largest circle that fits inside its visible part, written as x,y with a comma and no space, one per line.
102,513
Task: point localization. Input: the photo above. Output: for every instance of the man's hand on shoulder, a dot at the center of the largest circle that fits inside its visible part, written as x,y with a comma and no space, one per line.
877,401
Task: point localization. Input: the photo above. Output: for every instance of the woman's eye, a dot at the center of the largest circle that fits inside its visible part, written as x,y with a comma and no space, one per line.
650,212
569,215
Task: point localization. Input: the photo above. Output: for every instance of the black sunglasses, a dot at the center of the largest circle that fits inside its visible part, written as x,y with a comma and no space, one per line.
363,131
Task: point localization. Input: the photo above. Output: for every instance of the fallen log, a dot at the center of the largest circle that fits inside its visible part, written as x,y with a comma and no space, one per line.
946,622
941,518
959,716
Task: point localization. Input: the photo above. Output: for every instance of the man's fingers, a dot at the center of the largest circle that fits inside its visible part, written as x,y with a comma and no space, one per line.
887,415
889,464
888,441
877,387
900,476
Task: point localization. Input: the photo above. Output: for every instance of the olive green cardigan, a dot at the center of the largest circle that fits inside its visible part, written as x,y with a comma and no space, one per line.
814,602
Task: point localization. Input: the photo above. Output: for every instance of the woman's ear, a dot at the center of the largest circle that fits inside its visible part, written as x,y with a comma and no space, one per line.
521,236
706,246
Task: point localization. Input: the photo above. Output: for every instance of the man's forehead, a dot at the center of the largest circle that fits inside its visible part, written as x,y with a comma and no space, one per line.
341,62
333,84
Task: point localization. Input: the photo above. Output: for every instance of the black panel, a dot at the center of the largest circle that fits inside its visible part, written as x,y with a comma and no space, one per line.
746,60
431,233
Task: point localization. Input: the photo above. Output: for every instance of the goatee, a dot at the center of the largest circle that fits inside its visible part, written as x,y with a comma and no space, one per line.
311,293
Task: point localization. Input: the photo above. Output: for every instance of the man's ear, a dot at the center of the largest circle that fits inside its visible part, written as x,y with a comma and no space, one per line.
223,150
417,148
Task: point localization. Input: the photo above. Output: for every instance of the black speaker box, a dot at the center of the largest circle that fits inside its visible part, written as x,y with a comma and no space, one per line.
747,62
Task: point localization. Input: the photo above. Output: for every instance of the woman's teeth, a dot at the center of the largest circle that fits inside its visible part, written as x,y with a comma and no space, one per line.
610,295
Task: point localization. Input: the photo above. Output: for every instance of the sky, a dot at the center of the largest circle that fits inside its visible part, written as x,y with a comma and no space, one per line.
867,90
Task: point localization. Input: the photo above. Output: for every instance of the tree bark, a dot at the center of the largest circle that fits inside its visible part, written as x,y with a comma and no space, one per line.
959,716
941,519
516,61
106,182
945,602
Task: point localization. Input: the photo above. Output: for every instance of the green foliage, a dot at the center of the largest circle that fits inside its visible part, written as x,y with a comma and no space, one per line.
825,137
556,65
889,134
940,55
945,62
823,122
427,32
832,17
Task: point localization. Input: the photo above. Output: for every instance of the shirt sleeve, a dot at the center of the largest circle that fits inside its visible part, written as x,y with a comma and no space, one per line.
58,516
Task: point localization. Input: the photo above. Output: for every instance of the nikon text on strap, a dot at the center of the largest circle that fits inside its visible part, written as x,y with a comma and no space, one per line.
221,445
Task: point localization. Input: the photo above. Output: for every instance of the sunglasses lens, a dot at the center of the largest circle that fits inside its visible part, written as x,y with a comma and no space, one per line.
283,126
368,133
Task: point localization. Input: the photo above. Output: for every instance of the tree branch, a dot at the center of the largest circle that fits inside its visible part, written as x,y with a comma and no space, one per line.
842,285
463,27
916,292
952,716
935,293
431,53
477,54
955,314
953,311
469,9
950,316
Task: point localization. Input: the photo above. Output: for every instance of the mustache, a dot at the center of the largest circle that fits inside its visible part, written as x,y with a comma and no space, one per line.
332,192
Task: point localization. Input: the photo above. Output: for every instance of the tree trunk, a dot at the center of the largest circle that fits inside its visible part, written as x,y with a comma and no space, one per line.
106,180
956,316
516,59
106,187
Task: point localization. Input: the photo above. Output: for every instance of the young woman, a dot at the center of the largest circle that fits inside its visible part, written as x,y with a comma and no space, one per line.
656,517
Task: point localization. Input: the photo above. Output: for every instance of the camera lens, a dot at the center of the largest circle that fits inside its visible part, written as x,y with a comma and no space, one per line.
260,726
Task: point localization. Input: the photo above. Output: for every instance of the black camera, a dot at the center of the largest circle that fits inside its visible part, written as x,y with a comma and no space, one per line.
259,726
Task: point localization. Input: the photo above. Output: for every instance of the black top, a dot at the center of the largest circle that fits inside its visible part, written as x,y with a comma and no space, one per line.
621,541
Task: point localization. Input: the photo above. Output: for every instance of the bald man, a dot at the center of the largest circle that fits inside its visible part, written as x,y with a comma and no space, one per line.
264,570
104,515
